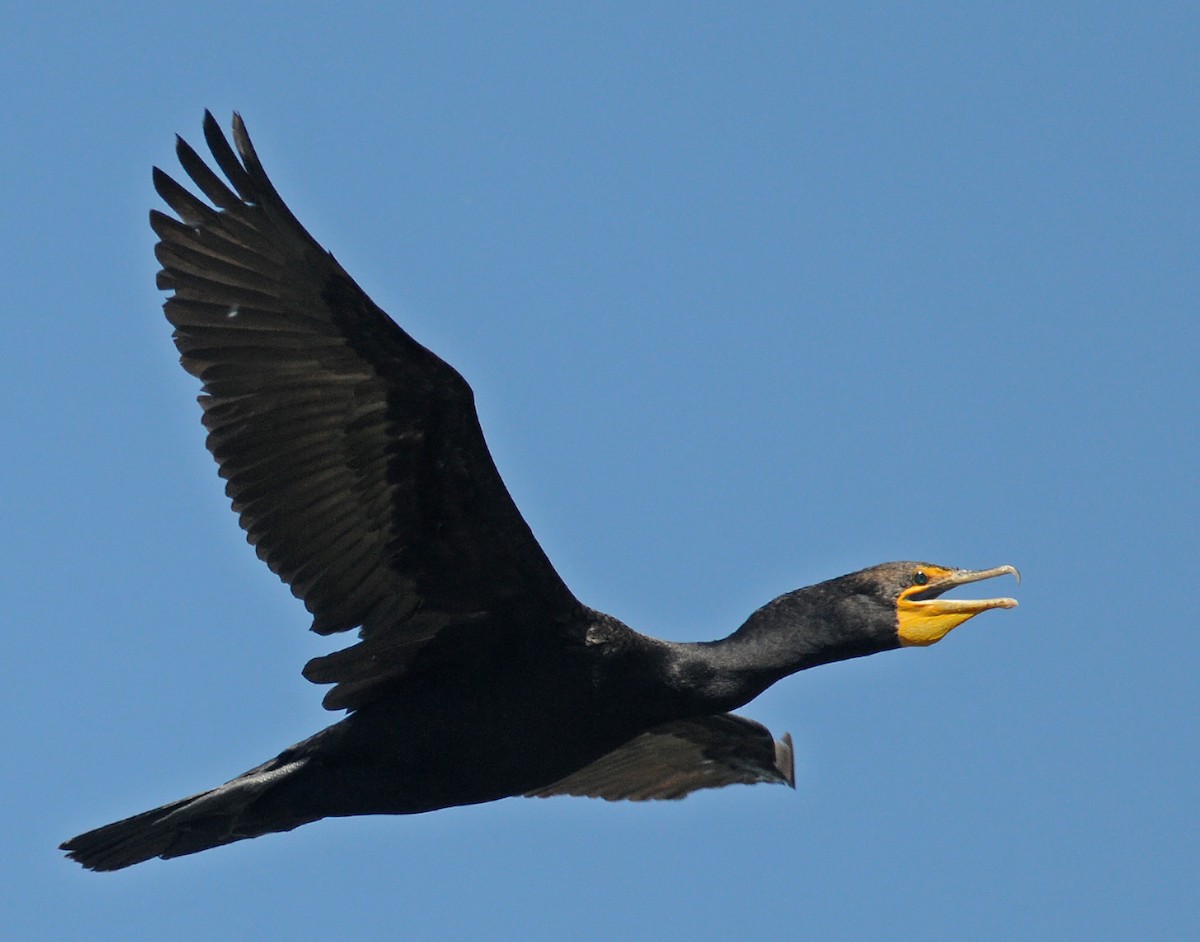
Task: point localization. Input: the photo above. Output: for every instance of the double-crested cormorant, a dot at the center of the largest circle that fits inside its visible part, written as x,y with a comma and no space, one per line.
356,465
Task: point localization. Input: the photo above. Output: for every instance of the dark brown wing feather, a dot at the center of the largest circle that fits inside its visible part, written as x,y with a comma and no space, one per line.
675,759
353,455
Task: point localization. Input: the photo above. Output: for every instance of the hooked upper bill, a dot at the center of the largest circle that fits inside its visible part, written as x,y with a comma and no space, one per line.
923,618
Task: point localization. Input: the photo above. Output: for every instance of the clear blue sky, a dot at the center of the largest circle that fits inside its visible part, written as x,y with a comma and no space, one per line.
750,296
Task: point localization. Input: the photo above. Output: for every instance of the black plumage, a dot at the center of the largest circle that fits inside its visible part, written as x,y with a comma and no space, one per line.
354,459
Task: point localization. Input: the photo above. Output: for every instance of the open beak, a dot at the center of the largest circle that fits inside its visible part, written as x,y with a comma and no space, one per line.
924,618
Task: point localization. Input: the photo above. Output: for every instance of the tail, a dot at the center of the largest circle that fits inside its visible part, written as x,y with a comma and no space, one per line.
218,816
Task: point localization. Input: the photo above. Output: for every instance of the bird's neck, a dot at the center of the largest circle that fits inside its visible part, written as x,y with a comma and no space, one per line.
792,633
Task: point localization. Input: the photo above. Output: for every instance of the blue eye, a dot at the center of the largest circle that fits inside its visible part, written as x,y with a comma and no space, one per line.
919,578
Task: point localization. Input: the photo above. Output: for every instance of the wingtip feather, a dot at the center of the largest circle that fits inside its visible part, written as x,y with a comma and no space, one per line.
785,760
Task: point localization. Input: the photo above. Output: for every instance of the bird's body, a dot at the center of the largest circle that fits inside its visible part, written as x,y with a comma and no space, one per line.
508,720
355,461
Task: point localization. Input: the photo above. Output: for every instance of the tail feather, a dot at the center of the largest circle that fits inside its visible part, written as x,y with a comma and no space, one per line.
208,819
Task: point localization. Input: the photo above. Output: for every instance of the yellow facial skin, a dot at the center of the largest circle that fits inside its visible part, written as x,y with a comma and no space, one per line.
923,618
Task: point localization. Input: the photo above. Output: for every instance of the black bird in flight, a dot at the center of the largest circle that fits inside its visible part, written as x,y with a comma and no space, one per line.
356,465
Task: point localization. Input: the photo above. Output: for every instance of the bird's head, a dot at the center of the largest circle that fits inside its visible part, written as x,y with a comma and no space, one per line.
912,592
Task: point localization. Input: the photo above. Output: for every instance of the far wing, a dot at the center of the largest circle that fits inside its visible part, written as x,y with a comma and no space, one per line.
677,758
353,455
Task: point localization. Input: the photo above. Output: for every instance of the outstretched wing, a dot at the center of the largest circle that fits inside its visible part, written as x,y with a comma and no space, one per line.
678,758
353,455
